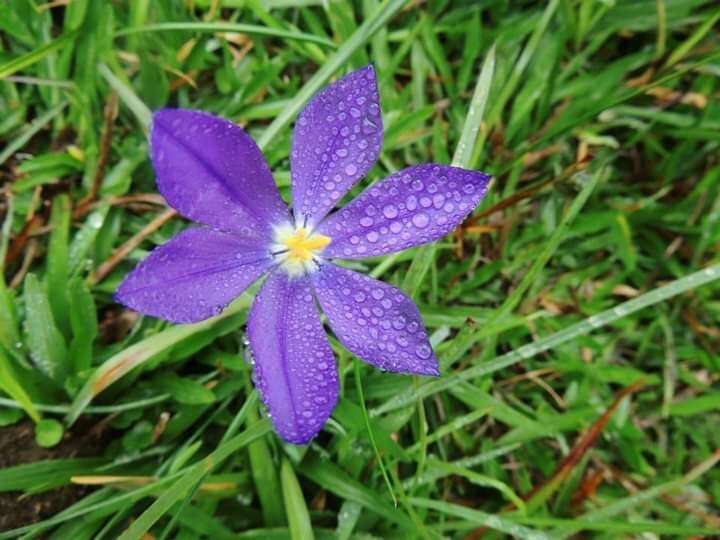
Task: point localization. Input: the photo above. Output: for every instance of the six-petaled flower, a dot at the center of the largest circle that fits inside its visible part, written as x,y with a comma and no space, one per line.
212,172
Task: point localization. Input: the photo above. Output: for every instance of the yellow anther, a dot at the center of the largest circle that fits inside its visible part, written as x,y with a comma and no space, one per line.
302,246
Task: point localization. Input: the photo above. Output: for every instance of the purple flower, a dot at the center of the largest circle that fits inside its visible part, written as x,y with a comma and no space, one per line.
212,172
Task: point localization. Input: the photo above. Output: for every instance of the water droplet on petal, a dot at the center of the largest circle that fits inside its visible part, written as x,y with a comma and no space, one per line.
421,220
390,211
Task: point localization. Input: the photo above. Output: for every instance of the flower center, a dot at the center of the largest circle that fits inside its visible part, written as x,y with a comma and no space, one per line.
296,248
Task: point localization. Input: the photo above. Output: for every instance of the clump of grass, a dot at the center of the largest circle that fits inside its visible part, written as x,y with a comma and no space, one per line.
575,314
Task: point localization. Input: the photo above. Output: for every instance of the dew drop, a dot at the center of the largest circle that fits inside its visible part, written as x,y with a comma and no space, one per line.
421,220
390,211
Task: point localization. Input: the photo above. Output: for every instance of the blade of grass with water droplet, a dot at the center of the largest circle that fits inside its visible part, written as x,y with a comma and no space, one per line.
43,338
604,318
481,519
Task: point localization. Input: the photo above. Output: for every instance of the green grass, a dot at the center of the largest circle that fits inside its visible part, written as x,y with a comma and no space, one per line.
592,264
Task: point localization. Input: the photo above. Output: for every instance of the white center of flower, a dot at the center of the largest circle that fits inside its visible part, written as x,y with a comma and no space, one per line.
297,248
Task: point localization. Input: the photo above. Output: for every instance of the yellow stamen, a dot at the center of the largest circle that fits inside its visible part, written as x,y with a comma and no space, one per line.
302,246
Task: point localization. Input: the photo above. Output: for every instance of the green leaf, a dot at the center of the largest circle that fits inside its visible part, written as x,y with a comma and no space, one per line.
10,416
42,337
528,351
295,507
212,27
83,320
26,60
32,476
481,519
184,390
48,432
191,479
331,477
12,386
30,131
265,476
137,354
696,405
84,239
57,263
9,333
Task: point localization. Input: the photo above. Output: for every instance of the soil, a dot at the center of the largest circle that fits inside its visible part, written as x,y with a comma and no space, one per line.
17,447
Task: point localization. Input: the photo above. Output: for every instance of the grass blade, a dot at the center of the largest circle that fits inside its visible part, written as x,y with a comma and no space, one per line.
189,480
128,96
29,132
44,341
360,38
250,29
481,519
295,507
604,318
27,60
11,385
135,355
58,272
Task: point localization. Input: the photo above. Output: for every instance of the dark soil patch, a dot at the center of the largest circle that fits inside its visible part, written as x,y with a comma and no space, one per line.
17,447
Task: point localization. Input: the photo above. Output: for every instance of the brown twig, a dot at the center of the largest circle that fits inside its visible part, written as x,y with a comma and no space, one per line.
137,198
576,454
124,250
18,243
28,258
111,112
508,202
587,441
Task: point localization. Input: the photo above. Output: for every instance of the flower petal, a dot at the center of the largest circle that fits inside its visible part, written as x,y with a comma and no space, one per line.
414,206
212,172
337,140
295,369
375,321
194,275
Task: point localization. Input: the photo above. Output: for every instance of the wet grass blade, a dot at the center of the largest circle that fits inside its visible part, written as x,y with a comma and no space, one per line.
604,318
481,519
43,338
250,29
